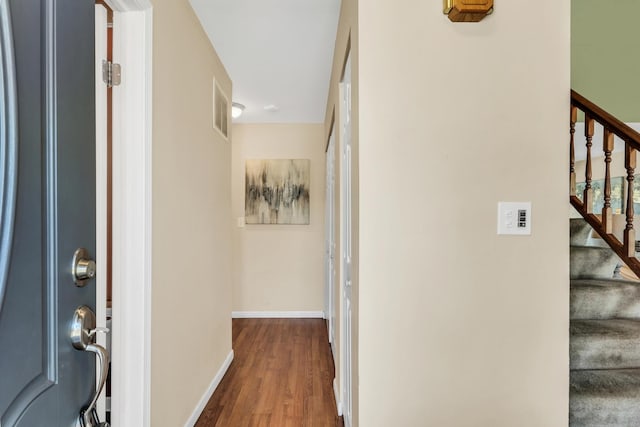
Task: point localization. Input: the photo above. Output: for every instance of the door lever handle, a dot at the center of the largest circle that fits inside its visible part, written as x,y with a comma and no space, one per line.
89,410
83,332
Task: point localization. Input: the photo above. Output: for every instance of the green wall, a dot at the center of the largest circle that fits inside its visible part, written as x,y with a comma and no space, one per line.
605,54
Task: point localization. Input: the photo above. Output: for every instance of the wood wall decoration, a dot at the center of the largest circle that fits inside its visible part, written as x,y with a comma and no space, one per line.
467,10
277,191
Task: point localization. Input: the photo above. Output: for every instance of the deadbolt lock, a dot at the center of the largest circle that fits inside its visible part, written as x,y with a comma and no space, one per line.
83,267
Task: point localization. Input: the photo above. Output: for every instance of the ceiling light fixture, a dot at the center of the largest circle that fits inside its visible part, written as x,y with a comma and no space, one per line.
236,109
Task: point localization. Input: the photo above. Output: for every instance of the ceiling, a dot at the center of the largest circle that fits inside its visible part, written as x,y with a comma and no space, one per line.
278,54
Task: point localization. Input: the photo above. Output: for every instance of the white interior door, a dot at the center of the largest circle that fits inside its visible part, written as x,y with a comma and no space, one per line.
330,242
346,212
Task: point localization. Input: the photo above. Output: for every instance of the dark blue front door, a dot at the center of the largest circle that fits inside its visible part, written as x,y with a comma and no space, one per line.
47,206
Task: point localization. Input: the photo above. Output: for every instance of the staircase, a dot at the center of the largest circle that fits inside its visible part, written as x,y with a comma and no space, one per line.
604,311
605,336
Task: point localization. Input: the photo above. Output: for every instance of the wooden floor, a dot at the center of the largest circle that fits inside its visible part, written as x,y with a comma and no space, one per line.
281,376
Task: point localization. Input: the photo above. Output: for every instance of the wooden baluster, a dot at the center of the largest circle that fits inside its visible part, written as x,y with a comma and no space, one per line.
629,232
572,156
587,200
607,213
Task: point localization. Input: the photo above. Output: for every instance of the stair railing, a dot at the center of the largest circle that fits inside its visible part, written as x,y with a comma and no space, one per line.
602,222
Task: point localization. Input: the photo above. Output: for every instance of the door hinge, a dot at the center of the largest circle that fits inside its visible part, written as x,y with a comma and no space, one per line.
110,73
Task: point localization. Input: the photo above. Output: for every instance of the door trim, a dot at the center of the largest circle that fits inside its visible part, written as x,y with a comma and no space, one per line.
101,187
346,243
132,109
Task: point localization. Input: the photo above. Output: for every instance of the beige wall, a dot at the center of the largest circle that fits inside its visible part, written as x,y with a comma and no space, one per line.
598,166
191,296
279,267
459,326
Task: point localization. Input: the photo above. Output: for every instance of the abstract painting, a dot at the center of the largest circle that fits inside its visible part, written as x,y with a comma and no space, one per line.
277,191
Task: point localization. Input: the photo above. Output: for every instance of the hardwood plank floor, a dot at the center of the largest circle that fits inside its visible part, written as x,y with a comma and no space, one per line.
281,376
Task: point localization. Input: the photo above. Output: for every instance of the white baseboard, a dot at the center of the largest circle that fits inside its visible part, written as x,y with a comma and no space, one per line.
277,314
335,394
209,392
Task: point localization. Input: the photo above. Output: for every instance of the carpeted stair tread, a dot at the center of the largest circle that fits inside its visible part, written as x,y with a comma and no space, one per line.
606,382
605,344
579,231
604,398
604,299
592,262
605,336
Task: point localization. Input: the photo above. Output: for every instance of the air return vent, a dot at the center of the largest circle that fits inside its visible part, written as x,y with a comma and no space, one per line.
220,110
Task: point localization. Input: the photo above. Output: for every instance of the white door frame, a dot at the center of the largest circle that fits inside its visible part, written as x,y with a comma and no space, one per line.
346,243
101,186
131,213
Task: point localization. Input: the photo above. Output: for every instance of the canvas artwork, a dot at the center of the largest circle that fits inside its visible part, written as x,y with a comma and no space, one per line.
636,195
277,191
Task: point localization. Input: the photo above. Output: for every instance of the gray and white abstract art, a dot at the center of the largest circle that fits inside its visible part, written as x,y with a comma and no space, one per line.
277,191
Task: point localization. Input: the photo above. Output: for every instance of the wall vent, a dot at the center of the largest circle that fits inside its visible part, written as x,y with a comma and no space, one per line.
220,110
